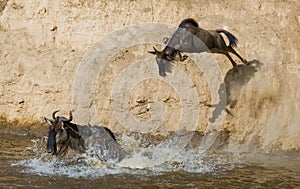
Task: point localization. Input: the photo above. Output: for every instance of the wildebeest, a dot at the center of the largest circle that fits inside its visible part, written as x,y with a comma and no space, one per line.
98,140
190,38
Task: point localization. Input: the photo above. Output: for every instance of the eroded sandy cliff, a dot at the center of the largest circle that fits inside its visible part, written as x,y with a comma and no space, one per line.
43,44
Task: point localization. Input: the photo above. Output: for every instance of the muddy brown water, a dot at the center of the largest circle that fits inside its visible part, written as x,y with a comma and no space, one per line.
22,166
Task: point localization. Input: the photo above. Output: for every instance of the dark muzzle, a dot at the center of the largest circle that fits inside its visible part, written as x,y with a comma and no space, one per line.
51,143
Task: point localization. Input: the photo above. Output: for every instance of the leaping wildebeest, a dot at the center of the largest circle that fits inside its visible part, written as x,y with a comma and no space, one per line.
63,134
190,38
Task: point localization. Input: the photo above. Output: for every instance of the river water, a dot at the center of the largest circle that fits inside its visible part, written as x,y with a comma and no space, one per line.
25,165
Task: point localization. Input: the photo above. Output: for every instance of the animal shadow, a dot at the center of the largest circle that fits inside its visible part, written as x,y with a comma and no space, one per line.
230,89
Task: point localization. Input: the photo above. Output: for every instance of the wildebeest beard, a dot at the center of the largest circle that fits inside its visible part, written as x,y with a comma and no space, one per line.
69,136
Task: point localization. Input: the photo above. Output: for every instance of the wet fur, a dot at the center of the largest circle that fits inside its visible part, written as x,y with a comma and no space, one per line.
64,135
69,137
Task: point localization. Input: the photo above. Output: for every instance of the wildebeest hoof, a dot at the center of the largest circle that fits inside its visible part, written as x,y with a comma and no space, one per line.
245,62
234,65
235,69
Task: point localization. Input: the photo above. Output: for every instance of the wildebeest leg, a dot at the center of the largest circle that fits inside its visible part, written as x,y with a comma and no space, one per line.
229,57
218,51
230,49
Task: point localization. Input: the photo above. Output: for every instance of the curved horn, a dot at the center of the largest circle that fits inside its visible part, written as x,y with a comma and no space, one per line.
53,114
155,51
70,117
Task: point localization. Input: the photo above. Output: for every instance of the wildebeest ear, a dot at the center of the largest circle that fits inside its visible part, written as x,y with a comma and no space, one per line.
48,121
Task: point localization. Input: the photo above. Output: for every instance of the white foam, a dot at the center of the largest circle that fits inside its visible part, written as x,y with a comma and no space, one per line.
142,161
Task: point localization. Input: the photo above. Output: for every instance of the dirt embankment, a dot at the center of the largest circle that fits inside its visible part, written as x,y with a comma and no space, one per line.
44,43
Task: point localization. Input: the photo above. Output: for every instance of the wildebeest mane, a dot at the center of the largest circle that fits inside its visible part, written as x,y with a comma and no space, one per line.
74,139
188,21
110,133
73,130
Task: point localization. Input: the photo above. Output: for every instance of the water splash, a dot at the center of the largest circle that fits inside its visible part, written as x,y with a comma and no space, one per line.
139,162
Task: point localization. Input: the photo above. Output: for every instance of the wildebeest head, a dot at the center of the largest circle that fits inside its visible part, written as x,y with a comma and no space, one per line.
181,41
57,131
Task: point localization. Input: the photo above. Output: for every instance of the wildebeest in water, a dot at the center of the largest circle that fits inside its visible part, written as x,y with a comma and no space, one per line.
63,134
190,38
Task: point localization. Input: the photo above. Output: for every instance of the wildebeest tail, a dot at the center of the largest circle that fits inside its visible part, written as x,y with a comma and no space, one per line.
232,39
